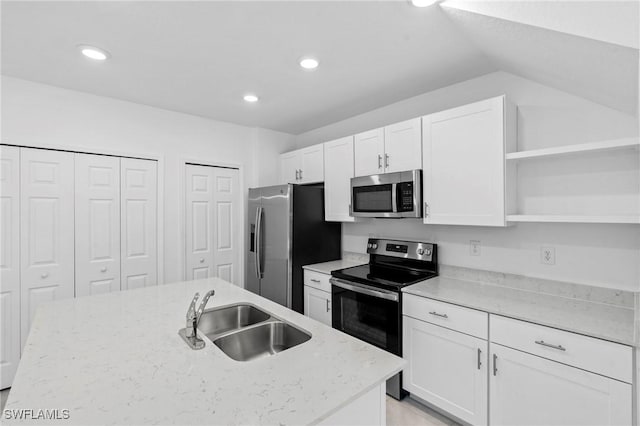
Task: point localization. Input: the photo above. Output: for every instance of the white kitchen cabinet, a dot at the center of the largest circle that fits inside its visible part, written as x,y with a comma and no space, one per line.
303,165
338,162
446,368
529,390
46,230
317,304
9,263
464,174
139,223
394,148
97,224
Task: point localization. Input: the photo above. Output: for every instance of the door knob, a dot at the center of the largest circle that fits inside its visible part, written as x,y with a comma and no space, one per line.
202,260
103,269
44,275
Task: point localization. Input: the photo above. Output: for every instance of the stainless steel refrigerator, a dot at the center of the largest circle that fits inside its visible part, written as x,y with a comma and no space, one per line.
287,231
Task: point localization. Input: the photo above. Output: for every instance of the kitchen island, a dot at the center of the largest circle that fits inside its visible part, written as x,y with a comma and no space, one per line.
117,358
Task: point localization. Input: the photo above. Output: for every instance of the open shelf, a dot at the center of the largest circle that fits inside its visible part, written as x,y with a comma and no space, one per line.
626,143
573,218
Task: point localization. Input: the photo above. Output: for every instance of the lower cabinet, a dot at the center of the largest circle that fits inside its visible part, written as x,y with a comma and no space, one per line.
447,369
528,390
317,304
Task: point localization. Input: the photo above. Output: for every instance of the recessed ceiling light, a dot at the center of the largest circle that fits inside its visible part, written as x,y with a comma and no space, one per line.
423,3
94,52
250,98
309,63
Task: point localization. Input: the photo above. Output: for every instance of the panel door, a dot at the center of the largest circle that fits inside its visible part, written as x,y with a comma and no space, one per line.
338,163
199,220
463,163
9,263
289,167
47,230
447,369
227,196
312,164
403,146
97,224
138,223
529,390
369,152
317,305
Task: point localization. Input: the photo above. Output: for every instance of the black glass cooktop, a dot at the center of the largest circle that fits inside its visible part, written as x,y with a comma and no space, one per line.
382,275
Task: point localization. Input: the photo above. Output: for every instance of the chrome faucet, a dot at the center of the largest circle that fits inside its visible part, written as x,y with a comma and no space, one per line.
190,332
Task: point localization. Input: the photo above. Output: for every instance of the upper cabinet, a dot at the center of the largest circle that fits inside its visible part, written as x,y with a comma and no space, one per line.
394,148
338,158
464,173
303,165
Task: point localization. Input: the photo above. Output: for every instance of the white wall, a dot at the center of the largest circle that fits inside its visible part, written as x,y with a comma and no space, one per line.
45,116
601,255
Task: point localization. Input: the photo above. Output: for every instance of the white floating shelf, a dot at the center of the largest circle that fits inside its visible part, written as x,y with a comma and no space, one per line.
575,149
573,218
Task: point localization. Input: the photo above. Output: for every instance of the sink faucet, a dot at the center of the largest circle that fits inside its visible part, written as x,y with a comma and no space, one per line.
193,318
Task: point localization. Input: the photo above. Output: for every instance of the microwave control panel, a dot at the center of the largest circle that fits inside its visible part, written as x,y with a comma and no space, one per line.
405,197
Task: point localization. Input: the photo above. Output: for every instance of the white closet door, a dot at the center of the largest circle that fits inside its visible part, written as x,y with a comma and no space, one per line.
139,223
227,196
199,221
47,216
97,224
9,263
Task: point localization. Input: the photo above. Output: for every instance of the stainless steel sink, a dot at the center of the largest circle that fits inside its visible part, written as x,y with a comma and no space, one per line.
217,321
261,340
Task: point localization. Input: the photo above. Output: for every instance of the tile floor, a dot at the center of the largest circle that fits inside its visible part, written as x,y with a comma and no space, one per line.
399,413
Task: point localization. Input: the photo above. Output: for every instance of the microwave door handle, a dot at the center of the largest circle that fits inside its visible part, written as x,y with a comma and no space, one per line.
394,197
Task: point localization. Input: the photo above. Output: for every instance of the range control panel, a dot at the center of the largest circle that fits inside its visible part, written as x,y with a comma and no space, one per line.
405,249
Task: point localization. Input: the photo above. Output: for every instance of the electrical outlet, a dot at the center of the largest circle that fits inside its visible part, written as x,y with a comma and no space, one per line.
547,255
474,248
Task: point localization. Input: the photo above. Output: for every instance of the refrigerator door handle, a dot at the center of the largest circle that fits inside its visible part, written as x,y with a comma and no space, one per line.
259,243
256,241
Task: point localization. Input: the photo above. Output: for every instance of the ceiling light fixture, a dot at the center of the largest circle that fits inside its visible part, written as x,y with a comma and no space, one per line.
309,63
250,98
94,53
423,3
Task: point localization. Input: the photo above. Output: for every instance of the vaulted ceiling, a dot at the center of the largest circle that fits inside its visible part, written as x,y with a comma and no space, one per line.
201,57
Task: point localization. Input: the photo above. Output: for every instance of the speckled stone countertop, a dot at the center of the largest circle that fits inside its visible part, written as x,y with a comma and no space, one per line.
614,322
118,359
328,267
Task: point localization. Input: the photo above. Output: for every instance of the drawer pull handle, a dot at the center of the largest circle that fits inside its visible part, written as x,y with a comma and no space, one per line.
479,358
328,305
314,280
439,315
495,364
549,345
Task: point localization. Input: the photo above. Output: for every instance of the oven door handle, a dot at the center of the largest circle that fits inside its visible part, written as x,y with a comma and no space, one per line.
369,291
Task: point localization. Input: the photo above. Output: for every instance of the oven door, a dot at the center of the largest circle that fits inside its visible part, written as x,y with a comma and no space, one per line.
368,313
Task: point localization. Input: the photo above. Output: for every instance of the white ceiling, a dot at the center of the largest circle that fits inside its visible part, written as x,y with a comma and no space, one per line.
201,57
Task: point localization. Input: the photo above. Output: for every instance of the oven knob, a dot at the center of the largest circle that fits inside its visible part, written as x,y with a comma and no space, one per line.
369,245
420,252
375,246
428,252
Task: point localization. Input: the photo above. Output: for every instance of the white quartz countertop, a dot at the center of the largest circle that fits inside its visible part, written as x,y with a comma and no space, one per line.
118,359
599,320
328,267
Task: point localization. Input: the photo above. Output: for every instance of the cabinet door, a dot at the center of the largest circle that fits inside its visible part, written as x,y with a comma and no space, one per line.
369,152
312,164
199,219
403,146
446,368
529,390
289,167
47,227
97,224
338,162
139,223
463,162
9,263
317,304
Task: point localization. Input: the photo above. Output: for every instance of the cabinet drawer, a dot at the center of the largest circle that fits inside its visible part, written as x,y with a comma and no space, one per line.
465,320
317,280
599,356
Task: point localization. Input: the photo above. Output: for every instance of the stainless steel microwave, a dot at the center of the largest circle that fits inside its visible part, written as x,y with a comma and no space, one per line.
387,195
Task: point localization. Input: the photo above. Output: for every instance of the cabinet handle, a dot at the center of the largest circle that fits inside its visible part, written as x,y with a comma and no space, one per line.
426,209
313,280
439,315
297,177
300,174
549,345
386,161
103,269
495,364
479,358
328,305
44,275
379,161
